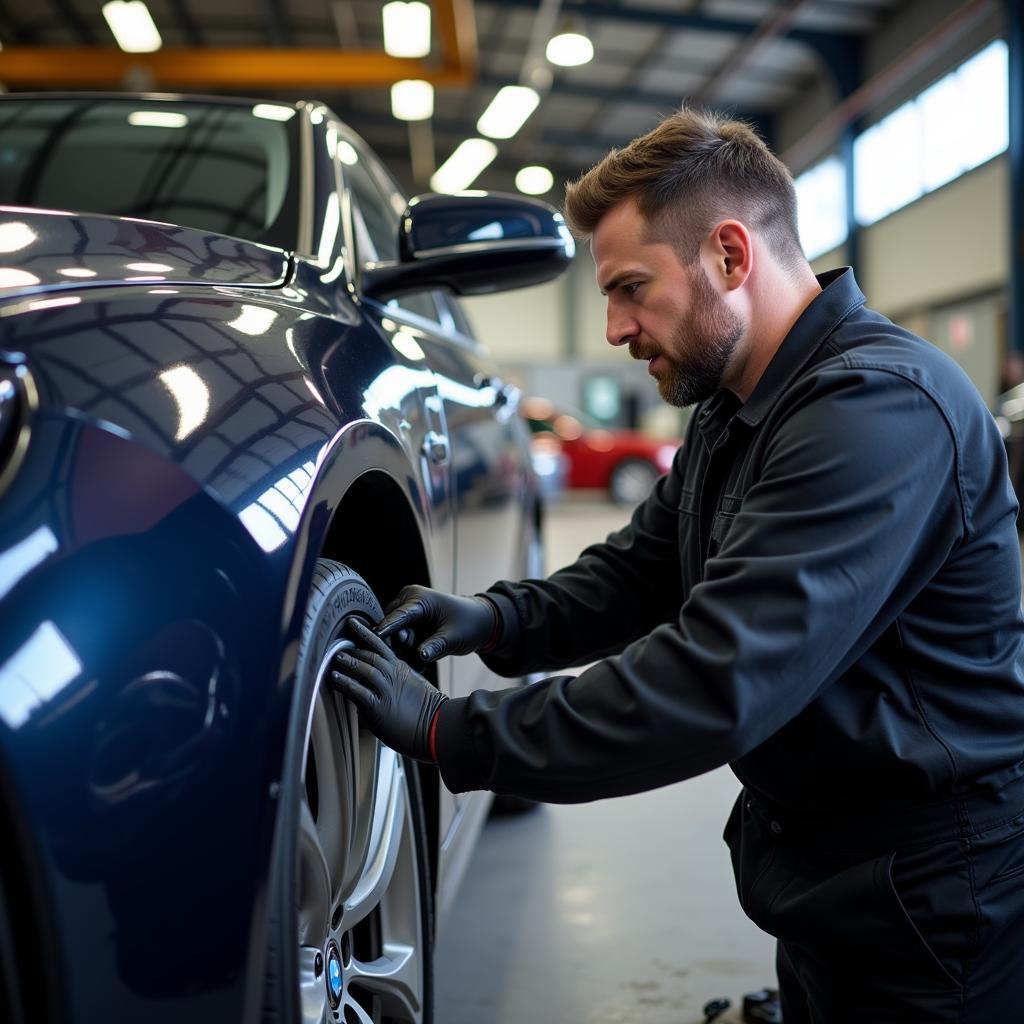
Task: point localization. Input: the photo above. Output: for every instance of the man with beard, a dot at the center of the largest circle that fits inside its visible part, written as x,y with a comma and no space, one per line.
824,593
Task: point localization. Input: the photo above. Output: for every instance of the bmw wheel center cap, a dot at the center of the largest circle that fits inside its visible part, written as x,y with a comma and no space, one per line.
334,977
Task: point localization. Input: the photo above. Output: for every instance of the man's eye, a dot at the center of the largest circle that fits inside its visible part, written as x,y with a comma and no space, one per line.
631,288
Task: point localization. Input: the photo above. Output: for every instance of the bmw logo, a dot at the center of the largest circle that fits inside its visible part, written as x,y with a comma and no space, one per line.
334,978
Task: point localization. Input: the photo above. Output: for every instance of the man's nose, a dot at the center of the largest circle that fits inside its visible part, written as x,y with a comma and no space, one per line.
620,329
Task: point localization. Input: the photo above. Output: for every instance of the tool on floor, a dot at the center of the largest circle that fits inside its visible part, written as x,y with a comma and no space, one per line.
714,1008
762,1007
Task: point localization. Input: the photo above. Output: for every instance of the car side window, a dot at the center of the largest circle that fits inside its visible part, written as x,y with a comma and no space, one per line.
375,219
375,214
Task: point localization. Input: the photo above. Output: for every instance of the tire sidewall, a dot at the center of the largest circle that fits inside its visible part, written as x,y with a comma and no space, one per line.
336,593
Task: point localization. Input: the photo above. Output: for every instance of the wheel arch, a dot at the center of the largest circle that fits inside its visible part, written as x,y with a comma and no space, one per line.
374,532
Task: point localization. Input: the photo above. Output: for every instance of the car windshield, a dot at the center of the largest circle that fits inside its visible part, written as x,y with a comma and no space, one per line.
221,168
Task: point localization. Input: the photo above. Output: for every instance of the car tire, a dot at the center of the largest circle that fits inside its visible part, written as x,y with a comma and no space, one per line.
631,481
350,896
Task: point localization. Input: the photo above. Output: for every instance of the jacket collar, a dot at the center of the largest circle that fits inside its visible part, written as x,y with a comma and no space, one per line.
839,297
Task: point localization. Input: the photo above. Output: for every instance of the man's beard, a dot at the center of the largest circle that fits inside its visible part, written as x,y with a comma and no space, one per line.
701,346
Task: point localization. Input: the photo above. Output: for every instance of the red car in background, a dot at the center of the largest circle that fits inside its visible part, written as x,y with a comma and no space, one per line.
626,463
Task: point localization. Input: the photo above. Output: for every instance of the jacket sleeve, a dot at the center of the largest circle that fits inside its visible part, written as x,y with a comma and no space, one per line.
614,592
855,507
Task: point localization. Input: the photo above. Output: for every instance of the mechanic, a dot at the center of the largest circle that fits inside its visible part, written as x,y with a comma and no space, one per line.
824,593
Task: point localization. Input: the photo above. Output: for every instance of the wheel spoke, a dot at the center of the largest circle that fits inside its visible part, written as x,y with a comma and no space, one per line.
389,819
357,1010
395,976
314,896
333,785
312,990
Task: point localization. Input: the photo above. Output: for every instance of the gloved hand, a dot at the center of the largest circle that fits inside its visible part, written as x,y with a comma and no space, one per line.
394,702
443,623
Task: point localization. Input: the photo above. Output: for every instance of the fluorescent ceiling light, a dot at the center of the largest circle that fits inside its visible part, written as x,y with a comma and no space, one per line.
534,181
407,29
460,170
507,112
157,119
412,100
273,112
570,49
132,26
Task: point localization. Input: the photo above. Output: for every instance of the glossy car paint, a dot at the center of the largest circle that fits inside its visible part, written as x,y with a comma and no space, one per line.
203,407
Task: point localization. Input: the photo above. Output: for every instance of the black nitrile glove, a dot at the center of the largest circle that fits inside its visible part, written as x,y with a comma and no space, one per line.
442,623
394,702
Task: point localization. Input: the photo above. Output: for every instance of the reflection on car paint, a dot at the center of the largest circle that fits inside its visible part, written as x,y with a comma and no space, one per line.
37,671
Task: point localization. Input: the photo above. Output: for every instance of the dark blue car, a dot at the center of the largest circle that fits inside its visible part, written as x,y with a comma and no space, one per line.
239,404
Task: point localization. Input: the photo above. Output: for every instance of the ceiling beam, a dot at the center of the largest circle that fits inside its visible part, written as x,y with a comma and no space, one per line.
13,28
668,18
278,30
839,52
666,101
186,23
261,68
70,16
265,68
774,24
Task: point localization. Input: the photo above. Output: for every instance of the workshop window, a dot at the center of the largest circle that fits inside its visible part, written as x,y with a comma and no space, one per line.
952,127
821,207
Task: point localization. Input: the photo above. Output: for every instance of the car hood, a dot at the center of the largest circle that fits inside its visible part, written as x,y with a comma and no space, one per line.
47,250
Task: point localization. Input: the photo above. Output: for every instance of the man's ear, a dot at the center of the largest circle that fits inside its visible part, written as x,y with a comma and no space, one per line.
732,253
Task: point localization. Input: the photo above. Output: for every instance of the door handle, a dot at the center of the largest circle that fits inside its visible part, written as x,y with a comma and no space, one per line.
435,447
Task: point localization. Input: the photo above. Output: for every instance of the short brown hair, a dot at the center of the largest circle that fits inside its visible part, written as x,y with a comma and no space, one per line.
694,169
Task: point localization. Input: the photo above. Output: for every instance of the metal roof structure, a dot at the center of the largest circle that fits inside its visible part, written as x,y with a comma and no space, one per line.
756,58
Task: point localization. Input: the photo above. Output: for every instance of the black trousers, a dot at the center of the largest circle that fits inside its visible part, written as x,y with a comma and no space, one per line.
873,933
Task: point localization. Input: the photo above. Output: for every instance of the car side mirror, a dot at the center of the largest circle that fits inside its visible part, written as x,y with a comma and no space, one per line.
473,243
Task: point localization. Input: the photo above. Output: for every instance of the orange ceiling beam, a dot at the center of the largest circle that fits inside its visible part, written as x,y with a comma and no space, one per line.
46,67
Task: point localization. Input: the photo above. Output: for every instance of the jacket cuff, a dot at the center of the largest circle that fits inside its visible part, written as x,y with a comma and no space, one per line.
456,752
507,631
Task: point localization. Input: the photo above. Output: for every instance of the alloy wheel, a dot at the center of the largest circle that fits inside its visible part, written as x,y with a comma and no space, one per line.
360,911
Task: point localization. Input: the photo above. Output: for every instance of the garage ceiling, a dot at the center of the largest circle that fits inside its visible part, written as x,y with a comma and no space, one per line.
755,57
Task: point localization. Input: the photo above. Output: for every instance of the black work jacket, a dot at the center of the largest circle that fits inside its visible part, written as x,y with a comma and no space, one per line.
824,592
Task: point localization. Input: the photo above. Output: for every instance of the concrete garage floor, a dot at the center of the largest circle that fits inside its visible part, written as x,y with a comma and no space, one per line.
616,912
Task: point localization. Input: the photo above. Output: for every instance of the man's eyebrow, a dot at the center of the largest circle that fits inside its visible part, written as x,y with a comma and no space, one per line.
617,280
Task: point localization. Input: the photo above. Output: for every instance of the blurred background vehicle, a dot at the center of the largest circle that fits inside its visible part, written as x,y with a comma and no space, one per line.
625,463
